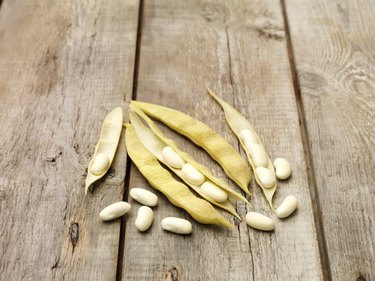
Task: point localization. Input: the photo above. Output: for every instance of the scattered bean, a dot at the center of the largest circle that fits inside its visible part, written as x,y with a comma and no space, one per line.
259,221
283,169
202,135
240,127
144,196
176,225
114,211
287,207
172,158
215,192
266,177
192,175
144,219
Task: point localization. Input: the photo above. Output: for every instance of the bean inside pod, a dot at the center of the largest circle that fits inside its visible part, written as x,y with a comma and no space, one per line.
106,147
251,144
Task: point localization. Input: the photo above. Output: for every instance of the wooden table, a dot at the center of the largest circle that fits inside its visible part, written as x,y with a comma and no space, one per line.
302,71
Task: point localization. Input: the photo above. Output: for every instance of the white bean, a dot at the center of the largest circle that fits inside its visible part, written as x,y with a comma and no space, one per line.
258,155
172,158
259,221
144,196
144,219
282,167
176,225
114,211
214,192
100,164
266,177
248,137
192,175
287,207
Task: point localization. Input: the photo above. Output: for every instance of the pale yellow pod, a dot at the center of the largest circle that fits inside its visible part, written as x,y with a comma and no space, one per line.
216,146
155,141
240,125
106,147
176,192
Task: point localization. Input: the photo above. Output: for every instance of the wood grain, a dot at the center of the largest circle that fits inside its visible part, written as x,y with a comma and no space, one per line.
333,47
63,66
240,48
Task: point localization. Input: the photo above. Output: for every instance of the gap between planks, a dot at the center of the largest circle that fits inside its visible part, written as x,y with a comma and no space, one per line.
120,255
326,269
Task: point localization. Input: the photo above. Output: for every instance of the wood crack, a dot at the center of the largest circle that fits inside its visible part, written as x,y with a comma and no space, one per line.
323,252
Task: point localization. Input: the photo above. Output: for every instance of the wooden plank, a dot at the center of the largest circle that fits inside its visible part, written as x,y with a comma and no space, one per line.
240,48
63,66
333,47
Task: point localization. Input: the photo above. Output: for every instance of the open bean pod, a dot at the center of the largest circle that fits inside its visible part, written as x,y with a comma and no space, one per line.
262,166
155,141
106,147
217,147
176,192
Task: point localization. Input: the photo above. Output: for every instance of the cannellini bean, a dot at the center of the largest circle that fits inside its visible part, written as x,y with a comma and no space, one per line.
287,207
144,219
114,211
214,192
176,225
100,164
266,177
192,175
283,169
259,221
172,158
144,196
258,155
248,137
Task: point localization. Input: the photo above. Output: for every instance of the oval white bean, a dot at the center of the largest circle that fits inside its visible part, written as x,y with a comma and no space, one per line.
287,207
144,196
100,164
114,211
283,169
192,175
144,219
214,192
259,221
248,137
176,225
258,155
172,158
266,177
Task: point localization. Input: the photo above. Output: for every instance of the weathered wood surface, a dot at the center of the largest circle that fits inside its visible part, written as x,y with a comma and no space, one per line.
240,48
63,66
333,43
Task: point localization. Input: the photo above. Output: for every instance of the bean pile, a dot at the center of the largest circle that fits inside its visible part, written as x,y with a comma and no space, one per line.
148,148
